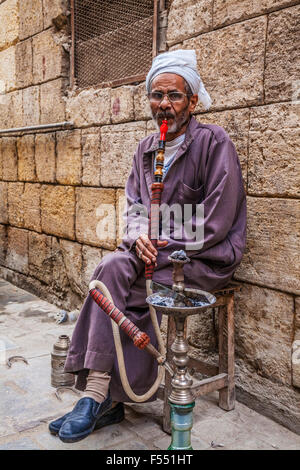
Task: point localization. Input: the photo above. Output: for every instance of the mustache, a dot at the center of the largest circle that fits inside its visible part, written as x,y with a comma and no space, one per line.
166,115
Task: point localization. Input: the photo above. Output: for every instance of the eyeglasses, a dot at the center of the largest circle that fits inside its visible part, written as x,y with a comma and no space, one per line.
173,96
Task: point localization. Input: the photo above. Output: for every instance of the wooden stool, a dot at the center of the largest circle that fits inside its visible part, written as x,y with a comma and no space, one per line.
220,377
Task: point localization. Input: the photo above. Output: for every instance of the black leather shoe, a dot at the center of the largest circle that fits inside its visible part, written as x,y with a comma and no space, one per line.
113,416
83,418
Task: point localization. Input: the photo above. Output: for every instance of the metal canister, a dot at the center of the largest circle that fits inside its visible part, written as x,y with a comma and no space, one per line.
59,378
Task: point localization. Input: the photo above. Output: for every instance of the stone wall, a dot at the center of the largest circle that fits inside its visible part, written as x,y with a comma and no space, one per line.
52,184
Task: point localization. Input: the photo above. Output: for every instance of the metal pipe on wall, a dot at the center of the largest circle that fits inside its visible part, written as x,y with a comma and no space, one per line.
36,128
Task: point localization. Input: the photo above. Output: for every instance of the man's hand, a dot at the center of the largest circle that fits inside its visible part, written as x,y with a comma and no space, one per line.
145,250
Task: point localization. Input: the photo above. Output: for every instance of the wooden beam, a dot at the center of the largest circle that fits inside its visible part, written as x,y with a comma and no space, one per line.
210,385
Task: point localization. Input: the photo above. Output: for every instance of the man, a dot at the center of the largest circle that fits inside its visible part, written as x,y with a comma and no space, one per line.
201,167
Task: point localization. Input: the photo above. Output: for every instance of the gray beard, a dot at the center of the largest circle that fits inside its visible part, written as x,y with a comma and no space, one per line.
175,127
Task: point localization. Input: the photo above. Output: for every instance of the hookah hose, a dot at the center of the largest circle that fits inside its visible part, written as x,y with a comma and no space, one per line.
118,319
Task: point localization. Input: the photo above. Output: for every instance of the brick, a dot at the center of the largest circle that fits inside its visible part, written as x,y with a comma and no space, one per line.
45,157
188,18
53,92
91,257
9,159
17,250
282,63
24,205
58,210
31,106
3,203
24,75
122,104
118,144
8,69
31,17
229,52
90,140
96,217
9,20
68,164
54,11
48,57
230,11
271,255
274,167
141,103
26,161
89,107
40,257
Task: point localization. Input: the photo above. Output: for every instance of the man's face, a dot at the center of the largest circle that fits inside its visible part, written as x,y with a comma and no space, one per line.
177,113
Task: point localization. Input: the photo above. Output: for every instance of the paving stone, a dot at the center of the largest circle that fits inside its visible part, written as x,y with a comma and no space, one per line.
20,444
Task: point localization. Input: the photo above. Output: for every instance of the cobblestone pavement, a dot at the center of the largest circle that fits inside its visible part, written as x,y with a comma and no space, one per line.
28,402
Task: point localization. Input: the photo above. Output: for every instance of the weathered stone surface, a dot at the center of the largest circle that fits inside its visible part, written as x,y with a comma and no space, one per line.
282,62
40,257
236,124
96,217
9,20
151,128
118,144
120,208
9,158
188,18
274,166
68,164
264,331
89,107
24,205
5,103
229,51
58,210
91,257
3,203
72,255
47,57
296,363
31,17
11,108
122,104
53,92
297,319
202,331
24,75
271,257
54,10
3,243
230,11
141,103
31,106
17,250
60,287
8,69
90,141
26,161
45,157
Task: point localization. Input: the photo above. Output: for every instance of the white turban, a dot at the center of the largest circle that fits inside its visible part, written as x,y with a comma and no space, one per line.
182,62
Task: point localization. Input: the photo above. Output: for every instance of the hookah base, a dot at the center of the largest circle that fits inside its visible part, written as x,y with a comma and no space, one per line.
182,423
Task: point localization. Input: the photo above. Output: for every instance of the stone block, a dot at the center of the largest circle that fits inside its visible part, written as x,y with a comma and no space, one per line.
274,166
96,217
297,318
72,255
16,108
122,104
9,158
188,18
230,11
40,257
24,205
53,92
9,20
229,51
58,210
26,161
31,106
89,107
282,61
151,127
5,104
8,69
54,10
264,331
141,103
118,144
91,257
24,75
3,203
3,243
120,208
90,141
48,57
271,256
45,157
236,124
17,250
296,363
31,17
68,151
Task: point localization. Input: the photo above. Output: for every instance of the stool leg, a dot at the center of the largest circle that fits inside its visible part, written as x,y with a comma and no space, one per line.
226,353
167,389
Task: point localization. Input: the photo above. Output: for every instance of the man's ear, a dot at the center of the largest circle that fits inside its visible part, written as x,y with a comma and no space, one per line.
193,103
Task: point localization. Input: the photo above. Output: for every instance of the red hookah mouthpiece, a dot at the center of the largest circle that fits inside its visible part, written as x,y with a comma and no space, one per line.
163,130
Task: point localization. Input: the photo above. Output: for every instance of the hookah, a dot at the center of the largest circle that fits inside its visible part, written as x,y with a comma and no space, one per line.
179,302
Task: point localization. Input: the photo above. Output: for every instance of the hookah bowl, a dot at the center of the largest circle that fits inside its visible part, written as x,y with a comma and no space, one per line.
180,302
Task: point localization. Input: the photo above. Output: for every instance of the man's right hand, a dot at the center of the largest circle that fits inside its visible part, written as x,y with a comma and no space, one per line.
145,250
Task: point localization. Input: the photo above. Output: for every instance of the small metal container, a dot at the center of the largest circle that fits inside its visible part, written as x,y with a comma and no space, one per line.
59,378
